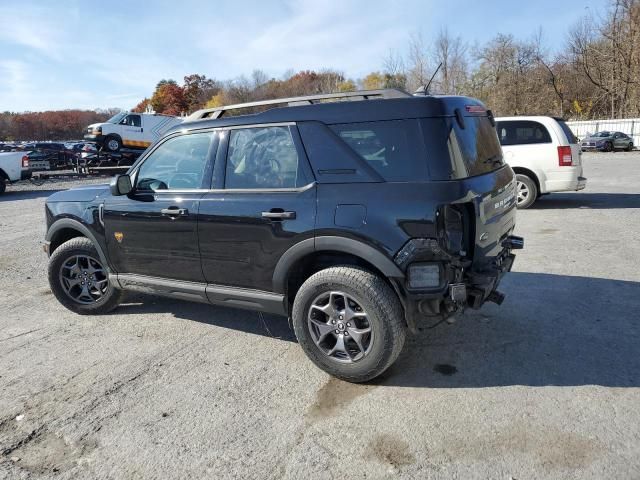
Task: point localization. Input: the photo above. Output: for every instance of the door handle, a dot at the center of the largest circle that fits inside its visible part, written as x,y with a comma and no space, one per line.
174,212
278,214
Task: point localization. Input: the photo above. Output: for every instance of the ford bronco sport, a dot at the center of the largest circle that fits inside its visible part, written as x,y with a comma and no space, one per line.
356,214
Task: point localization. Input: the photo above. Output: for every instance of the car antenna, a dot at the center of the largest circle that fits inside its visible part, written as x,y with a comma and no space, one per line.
424,89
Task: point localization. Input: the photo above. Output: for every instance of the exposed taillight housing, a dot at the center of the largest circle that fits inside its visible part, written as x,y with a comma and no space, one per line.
25,161
564,156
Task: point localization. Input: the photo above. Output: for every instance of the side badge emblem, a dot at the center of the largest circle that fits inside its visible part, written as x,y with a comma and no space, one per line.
119,236
483,237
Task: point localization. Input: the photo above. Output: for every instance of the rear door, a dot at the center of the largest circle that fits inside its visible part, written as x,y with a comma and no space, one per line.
263,204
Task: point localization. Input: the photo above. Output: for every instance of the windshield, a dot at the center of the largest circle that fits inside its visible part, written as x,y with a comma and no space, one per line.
603,134
117,118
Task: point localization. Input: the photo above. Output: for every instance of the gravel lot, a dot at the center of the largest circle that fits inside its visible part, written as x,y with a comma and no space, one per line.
545,386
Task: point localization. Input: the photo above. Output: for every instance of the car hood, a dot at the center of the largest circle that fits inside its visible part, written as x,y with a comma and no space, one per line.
83,193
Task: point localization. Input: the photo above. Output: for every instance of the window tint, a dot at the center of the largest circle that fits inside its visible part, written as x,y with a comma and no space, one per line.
474,149
394,148
178,163
522,132
263,157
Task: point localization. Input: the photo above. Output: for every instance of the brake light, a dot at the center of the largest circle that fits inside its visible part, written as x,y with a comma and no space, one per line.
25,162
564,157
475,109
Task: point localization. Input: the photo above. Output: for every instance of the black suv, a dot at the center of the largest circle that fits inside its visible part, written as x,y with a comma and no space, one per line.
355,214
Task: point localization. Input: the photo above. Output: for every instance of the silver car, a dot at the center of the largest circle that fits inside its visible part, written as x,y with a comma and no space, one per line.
607,142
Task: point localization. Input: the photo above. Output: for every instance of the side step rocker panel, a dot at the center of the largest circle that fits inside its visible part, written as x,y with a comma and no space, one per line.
202,292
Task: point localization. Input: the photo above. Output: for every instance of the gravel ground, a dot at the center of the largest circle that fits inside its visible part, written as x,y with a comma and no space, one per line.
545,386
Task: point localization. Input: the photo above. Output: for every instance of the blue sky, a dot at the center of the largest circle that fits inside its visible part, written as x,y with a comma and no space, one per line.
87,54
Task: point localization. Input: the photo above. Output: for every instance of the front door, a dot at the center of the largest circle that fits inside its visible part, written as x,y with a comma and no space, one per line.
132,131
264,203
153,231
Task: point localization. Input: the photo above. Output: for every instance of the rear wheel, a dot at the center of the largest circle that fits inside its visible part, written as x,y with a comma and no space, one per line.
526,190
80,281
349,322
3,185
630,147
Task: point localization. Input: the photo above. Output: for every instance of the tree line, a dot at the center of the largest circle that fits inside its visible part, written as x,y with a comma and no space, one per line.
595,73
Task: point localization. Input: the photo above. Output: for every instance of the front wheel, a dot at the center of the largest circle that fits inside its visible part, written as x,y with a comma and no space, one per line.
80,281
349,322
526,190
3,185
629,147
112,143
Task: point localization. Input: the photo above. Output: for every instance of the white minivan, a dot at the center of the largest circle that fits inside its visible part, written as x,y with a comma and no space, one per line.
544,153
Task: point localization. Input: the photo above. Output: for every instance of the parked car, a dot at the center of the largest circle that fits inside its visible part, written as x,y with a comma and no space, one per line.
607,142
356,219
132,130
544,154
14,166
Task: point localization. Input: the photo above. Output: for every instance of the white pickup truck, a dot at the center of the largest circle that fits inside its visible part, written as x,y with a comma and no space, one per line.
14,166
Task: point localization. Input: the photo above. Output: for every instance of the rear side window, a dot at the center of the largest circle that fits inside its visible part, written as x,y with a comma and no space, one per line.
264,157
394,148
522,132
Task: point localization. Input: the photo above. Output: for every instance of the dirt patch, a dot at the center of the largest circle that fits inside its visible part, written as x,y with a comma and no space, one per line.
333,396
550,448
391,450
548,231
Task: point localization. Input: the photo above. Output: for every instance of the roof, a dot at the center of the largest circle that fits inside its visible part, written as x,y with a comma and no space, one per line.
347,107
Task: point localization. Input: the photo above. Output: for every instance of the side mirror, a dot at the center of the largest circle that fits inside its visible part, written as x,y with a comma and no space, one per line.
120,185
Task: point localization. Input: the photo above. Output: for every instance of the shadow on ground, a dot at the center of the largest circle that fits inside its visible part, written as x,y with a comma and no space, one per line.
12,196
551,330
594,201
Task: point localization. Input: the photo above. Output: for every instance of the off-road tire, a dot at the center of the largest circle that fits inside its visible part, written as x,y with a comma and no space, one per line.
79,246
112,138
384,314
532,190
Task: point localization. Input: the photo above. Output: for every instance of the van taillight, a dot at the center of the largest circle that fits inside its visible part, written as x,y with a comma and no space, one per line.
564,157
25,162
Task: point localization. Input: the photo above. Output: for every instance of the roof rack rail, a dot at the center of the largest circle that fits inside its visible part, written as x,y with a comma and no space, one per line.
218,112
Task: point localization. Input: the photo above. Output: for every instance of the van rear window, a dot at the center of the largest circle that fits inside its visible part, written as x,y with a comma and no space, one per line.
394,148
522,132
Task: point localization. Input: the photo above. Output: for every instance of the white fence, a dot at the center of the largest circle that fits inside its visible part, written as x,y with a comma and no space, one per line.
630,126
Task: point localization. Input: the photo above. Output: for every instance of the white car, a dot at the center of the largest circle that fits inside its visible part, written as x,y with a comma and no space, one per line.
14,166
544,153
132,130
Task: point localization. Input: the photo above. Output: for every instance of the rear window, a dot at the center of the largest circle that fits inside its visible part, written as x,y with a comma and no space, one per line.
567,131
522,132
474,149
394,148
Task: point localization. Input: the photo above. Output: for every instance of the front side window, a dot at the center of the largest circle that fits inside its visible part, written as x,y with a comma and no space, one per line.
262,157
131,120
522,132
179,163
